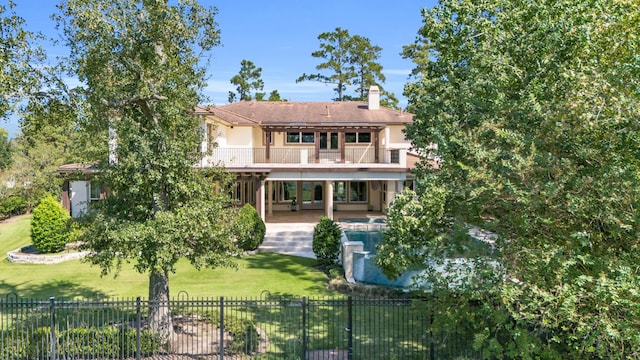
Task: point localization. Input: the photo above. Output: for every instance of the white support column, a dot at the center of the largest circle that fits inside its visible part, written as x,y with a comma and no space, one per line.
270,197
328,195
260,199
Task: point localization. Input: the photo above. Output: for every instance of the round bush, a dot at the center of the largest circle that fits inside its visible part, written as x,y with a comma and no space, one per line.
250,228
49,226
326,241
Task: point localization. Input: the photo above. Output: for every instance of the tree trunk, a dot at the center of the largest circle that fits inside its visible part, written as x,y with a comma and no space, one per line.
159,313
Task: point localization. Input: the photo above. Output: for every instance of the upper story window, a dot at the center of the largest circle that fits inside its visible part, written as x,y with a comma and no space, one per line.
357,138
301,137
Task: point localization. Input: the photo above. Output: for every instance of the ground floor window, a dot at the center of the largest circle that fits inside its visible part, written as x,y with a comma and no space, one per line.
288,191
357,191
340,191
243,192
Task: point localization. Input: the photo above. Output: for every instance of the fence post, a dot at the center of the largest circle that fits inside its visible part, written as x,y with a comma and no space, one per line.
221,327
52,318
304,327
138,326
350,327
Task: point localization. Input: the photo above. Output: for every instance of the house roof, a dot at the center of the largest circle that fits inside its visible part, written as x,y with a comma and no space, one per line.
292,114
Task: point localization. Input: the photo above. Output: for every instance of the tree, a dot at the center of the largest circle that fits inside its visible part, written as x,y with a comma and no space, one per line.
534,111
48,138
335,47
274,96
20,77
142,66
6,150
246,80
368,70
351,60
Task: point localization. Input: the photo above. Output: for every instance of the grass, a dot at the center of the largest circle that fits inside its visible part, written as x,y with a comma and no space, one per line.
279,274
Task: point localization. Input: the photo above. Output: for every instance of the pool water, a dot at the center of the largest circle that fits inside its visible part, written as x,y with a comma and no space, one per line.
365,269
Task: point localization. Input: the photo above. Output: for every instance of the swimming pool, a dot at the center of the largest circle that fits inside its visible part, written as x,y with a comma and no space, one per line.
365,269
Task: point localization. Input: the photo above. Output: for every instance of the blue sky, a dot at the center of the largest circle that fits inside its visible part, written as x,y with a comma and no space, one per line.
279,36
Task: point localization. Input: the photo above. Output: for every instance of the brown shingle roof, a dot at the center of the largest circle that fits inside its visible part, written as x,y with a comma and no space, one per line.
270,113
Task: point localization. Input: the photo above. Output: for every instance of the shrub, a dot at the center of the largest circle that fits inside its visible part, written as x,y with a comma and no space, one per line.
245,336
50,229
326,241
12,205
250,228
335,271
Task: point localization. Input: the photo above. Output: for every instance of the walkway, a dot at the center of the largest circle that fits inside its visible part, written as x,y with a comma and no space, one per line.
291,232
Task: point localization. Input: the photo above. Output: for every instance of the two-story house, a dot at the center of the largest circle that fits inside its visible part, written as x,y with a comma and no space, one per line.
329,156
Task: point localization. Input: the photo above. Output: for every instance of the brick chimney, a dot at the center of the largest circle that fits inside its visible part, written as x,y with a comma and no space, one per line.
374,98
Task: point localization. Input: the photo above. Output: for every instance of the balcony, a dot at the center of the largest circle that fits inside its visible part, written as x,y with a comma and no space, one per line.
295,156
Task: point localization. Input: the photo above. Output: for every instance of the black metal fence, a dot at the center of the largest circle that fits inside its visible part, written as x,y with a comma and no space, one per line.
265,328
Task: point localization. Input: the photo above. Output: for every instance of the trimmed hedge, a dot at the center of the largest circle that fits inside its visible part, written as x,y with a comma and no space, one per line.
50,229
326,241
79,343
250,228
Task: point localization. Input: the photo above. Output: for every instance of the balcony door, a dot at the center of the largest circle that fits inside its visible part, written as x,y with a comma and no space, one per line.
312,195
329,147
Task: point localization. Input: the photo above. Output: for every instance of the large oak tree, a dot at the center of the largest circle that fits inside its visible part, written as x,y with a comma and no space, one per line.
142,65
534,110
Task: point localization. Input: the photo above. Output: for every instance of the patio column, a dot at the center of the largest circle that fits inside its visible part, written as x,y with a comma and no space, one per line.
270,197
328,195
316,137
260,198
342,143
376,147
267,155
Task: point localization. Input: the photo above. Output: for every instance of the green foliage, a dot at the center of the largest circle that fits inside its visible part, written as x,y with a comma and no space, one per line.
76,343
244,332
350,60
534,113
247,79
50,230
11,206
18,77
143,65
250,228
326,241
245,336
335,271
6,150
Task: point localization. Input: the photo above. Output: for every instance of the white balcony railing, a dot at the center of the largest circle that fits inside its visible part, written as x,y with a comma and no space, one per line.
231,157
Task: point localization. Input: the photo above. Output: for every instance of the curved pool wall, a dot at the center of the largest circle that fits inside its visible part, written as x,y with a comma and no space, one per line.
364,265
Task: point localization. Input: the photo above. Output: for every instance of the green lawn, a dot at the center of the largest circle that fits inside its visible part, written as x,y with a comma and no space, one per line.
279,274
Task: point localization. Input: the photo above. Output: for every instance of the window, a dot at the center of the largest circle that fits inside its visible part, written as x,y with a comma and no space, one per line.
308,138
95,191
293,137
358,191
301,137
357,138
339,191
364,137
288,190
